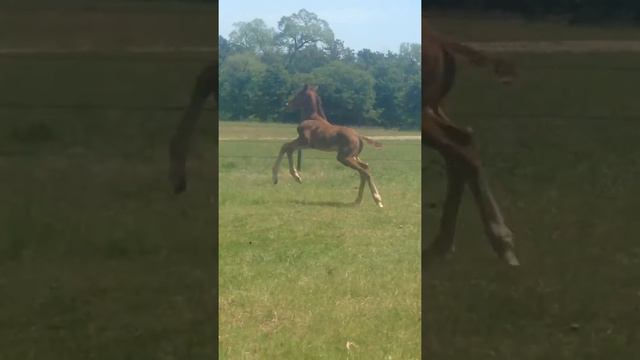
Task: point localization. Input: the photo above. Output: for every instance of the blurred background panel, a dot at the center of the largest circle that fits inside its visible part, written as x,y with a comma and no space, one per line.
560,147
98,259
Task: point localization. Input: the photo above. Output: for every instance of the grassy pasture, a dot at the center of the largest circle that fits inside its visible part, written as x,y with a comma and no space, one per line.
302,272
562,152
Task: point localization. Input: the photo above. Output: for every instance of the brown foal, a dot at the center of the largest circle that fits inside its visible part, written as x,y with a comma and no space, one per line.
456,146
316,132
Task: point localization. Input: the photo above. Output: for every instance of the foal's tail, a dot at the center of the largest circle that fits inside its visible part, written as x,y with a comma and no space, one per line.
504,69
371,141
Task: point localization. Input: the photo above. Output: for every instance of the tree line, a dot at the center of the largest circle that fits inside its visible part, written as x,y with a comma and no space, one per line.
262,67
577,11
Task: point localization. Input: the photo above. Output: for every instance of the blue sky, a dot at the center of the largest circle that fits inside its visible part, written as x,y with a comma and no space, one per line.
379,25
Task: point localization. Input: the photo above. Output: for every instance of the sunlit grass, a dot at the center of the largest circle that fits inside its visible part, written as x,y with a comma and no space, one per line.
303,272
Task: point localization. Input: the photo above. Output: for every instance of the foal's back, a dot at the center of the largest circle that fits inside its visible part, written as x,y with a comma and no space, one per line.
322,135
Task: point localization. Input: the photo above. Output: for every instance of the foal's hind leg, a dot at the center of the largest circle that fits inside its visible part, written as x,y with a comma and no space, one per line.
362,163
438,111
351,162
465,168
292,169
444,242
497,231
287,148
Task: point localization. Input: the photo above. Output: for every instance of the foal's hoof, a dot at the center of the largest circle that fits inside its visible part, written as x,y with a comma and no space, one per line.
179,183
431,255
440,250
177,178
378,199
180,187
296,175
510,258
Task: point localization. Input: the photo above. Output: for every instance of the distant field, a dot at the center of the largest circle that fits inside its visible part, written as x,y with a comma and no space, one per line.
474,27
562,153
255,130
303,273
106,26
98,260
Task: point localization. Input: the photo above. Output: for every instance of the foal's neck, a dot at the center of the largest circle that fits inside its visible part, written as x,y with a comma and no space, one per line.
313,115
313,109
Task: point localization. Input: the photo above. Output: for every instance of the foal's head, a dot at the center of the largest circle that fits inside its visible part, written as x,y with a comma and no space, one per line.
308,101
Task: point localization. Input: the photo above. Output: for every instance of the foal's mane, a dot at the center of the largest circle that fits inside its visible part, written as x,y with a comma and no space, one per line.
316,99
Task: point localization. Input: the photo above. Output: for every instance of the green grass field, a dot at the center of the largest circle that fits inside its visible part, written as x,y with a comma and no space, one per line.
302,271
562,153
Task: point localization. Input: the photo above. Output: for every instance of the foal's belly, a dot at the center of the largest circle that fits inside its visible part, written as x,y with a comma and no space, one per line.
327,149
325,143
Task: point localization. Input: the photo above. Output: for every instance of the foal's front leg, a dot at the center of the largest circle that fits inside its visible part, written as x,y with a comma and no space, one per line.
360,190
365,176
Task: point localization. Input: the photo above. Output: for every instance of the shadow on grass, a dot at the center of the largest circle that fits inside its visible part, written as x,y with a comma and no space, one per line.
326,203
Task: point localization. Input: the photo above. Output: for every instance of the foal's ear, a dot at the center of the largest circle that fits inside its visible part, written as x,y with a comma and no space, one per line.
314,87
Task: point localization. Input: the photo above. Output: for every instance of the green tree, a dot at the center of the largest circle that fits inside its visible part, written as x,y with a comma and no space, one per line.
239,83
261,68
308,59
367,59
273,91
411,55
301,30
347,93
409,61
388,89
254,36
412,103
338,51
224,48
